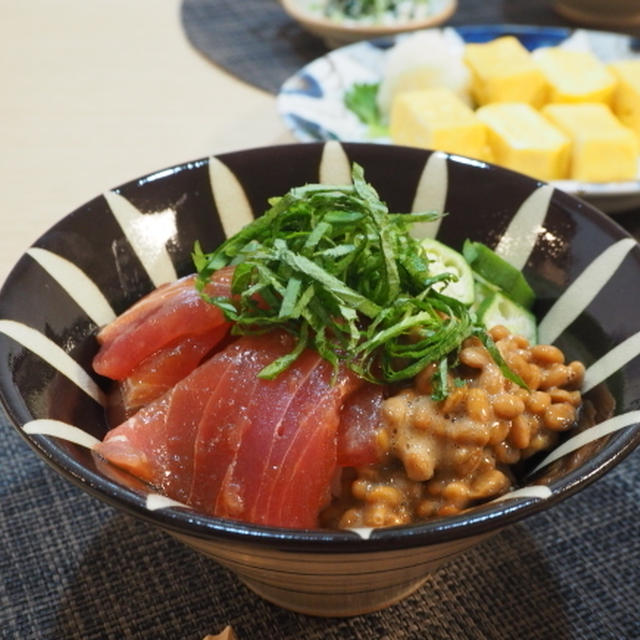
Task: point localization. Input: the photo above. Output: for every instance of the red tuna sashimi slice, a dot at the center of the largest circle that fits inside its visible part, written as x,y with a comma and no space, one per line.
237,406
290,501
157,320
275,404
160,371
156,444
360,422
309,453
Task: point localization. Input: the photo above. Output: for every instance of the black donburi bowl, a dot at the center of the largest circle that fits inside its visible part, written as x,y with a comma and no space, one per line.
106,254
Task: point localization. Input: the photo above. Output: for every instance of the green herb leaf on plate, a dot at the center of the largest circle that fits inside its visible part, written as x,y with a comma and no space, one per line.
361,99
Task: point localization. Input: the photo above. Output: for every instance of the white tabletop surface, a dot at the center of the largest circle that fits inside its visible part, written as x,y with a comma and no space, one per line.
98,92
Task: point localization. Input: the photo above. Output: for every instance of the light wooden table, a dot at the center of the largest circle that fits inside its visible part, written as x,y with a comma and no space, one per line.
97,92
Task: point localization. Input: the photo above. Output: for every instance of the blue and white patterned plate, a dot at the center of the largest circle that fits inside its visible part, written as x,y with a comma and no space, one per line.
311,101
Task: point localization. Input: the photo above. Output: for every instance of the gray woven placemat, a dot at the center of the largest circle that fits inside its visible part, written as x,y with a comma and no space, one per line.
252,39
73,568
257,42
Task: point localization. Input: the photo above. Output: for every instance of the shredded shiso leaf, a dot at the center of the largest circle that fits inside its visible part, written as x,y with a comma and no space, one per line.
332,266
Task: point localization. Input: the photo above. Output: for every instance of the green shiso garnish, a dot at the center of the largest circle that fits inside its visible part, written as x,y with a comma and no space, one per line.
332,266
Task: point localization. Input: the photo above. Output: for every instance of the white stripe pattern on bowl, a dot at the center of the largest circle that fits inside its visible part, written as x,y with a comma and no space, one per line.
583,290
77,284
230,198
518,241
431,194
54,355
148,235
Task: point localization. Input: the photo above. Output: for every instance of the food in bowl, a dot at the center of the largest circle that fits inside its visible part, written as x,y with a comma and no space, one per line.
372,11
339,22
438,457
507,81
324,367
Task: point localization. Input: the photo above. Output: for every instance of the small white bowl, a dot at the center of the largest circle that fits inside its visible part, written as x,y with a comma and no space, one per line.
336,34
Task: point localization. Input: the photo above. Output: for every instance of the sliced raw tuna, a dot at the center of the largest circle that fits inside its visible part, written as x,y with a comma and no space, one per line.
161,318
160,371
156,444
306,451
234,410
233,444
295,413
360,422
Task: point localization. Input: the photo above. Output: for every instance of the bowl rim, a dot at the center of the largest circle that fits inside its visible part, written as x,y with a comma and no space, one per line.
483,519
